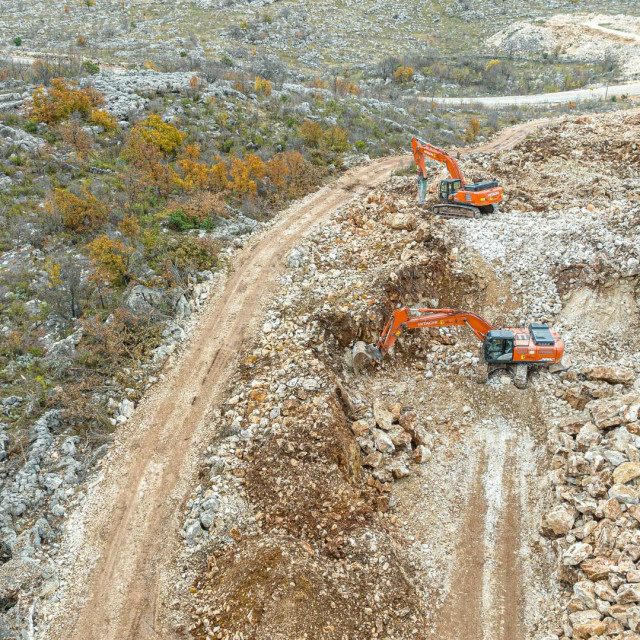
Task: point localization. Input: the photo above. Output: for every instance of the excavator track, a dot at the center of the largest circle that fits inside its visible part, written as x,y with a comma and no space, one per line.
462,210
456,211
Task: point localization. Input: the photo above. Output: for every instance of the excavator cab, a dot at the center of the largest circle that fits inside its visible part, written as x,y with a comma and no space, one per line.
448,188
498,346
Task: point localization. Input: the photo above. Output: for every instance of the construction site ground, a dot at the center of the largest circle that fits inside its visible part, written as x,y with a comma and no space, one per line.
263,490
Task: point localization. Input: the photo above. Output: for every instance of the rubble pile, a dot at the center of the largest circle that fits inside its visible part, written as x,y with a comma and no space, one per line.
595,519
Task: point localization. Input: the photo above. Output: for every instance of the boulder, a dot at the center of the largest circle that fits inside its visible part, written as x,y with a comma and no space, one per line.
383,441
609,373
360,427
576,397
589,629
628,593
606,414
584,591
400,437
373,459
576,553
141,300
421,454
624,493
598,568
402,221
382,415
626,472
558,521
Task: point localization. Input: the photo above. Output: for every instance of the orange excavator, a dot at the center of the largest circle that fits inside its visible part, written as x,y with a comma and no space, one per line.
460,199
513,349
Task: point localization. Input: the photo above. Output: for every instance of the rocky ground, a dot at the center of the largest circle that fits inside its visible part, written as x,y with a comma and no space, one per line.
592,36
410,501
317,33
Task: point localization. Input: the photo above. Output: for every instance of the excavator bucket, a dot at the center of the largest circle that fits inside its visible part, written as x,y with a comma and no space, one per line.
363,355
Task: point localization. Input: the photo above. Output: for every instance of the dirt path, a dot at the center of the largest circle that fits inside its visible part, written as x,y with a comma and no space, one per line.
122,539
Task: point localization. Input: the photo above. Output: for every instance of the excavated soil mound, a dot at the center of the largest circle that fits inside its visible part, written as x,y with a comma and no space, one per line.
279,587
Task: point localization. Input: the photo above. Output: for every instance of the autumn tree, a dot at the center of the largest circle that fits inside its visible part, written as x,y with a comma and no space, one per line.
345,86
163,136
472,130
102,118
290,175
73,135
62,99
78,214
403,75
336,139
311,133
245,174
111,259
262,85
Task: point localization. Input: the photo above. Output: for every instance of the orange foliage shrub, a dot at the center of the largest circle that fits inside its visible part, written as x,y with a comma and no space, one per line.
402,75
344,87
149,162
162,135
61,100
79,214
218,179
102,118
290,174
202,206
311,132
244,174
73,135
262,85
111,259
129,226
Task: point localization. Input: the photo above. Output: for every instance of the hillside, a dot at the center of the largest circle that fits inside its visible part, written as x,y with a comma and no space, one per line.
204,205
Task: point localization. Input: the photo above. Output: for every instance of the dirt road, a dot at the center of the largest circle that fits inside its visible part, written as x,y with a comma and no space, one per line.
590,93
122,541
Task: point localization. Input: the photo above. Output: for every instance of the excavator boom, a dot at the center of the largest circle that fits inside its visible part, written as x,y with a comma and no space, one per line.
419,318
422,149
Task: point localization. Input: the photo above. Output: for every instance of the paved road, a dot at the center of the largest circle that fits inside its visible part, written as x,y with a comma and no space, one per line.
592,93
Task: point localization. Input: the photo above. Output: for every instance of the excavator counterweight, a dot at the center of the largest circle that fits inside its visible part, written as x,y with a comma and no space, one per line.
514,349
459,199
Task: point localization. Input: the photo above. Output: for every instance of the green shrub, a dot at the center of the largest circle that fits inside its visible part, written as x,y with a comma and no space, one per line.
91,67
17,41
180,221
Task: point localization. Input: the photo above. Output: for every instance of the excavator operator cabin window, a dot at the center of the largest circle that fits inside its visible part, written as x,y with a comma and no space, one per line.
456,185
499,349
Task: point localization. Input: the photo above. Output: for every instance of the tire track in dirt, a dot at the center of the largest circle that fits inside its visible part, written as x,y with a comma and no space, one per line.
461,614
122,540
485,594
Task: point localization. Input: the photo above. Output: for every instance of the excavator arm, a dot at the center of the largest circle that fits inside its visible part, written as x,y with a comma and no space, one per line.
422,149
416,318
